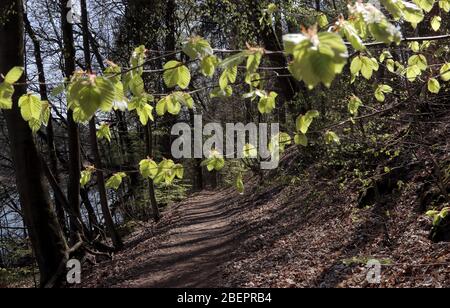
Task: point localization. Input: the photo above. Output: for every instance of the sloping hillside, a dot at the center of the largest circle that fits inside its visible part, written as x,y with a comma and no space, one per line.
289,232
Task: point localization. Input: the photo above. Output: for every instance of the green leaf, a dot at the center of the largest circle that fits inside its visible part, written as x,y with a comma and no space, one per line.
167,171
234,60
137,60
103,132
436,23
390,65
168,104
418,60
381,91
445,5
412,72
317,58
356,65
136,85
197,47
208,65
412,13
115,181
445,72
301,139
30,107
426,5
351,34
354,104
253,62
331,137
322,20
434,85
148,168
218,92
215,161
304,121
229,75
145,113
14,75
86,176
178,169
369,65
240,184
415,46
267,103
175,73
91,94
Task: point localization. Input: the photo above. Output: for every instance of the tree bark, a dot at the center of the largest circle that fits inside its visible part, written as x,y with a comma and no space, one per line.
111,229
43,228
73,187
151,186
50,134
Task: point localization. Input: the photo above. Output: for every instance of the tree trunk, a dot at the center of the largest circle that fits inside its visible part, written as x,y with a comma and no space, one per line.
43,228
198,169
73,187
50,134
151,186
112,232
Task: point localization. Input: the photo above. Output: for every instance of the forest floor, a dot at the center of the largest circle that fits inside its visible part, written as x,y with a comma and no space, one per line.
185,249
280,235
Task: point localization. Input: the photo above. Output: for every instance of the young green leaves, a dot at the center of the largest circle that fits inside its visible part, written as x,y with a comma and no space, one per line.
380,92
354,104
302,125
317,57
176,74
215,161
267,102
445,72
434,86
173,102
89,93
86,176
197,47
116,180
367,19
7,88
103,132
34,111
404,10
332,137
164,172
142,107
364,65
438,216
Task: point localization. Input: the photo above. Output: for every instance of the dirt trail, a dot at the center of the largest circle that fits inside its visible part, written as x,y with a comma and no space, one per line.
188,256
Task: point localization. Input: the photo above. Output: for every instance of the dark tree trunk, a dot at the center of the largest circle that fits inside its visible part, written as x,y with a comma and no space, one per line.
43,228
50,134
74,164
271,37
112,232
94,225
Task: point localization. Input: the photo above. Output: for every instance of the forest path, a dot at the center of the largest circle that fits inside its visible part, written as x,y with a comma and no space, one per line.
192,251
